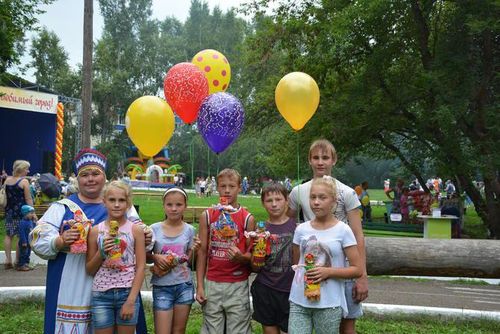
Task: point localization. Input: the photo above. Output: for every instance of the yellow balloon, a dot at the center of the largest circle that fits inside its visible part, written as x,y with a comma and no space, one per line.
297,98
150,123
216,68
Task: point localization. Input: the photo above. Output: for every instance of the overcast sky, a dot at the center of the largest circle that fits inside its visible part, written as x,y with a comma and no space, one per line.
65,18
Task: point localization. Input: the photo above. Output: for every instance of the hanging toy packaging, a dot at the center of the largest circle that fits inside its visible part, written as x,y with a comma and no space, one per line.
225,227
262,247
82,226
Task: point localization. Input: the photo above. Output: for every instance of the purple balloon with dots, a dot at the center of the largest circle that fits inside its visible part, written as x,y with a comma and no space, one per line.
220,120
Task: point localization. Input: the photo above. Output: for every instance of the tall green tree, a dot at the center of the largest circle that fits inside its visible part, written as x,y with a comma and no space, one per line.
50,64
16,17
408,79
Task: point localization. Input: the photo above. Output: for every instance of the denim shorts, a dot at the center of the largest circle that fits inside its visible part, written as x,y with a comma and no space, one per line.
106,307
355,309
166,297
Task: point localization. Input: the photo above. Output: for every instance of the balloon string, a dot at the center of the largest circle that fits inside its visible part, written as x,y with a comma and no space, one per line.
298,178
217,164
191,159
208,161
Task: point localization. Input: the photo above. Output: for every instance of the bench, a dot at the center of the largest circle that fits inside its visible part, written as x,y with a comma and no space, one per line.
193,213
152,193
393,229
39,210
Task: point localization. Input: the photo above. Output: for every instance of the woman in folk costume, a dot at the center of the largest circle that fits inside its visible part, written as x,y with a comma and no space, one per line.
66,222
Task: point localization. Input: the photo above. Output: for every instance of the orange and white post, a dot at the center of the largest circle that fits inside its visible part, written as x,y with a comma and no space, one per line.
59,139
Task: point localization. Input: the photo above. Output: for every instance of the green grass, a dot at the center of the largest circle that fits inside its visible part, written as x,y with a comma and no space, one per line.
26,317
151,209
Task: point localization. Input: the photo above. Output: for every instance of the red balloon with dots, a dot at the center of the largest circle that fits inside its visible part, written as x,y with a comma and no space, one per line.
185,86
216,69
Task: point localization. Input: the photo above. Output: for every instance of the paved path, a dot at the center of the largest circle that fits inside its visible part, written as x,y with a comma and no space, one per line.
393,291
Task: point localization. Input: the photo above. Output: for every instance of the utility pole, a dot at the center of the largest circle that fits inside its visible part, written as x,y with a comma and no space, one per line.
88,13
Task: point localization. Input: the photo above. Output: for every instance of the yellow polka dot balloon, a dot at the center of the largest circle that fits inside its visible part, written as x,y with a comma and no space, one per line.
216,68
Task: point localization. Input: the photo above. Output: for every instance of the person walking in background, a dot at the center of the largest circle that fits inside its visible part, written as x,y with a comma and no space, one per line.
25,227
396,195
387,184
364,198
288,184
203,185
197,187
208,186
18,193
403,203
244,185
449,188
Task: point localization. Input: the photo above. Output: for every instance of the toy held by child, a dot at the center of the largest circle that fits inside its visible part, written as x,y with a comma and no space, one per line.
311,290
114,256
224,226
262,247
82,225
172,259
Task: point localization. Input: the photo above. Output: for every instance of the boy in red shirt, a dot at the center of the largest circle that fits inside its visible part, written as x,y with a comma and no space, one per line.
223,260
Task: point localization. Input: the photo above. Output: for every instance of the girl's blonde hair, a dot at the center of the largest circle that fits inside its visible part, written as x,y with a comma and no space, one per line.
327,181
19,167
119,185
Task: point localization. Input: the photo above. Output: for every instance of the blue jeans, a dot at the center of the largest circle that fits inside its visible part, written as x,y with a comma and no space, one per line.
24,255
106,306
166,297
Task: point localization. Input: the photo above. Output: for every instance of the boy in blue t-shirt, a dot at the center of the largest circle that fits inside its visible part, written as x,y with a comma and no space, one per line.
25,226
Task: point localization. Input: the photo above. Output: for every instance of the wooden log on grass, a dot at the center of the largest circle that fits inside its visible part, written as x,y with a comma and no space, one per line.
433,257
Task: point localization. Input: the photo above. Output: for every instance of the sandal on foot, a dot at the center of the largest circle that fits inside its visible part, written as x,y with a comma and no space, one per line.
23,268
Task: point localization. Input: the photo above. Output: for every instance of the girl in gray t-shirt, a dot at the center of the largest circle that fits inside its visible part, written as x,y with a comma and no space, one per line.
175,245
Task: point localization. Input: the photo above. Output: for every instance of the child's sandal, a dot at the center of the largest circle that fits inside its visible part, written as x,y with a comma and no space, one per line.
23,268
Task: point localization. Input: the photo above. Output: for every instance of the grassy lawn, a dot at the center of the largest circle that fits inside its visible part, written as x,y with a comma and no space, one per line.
26,317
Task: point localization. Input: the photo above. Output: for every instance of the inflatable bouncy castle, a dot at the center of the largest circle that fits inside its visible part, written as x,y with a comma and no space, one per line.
152,172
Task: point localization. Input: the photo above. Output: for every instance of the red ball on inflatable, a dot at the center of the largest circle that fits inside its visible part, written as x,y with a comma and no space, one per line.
185,87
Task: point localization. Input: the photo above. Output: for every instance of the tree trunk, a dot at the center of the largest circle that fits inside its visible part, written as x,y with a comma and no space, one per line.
433,257
87,73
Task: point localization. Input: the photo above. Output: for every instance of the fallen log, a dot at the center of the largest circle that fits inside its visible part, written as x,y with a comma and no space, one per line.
433,257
